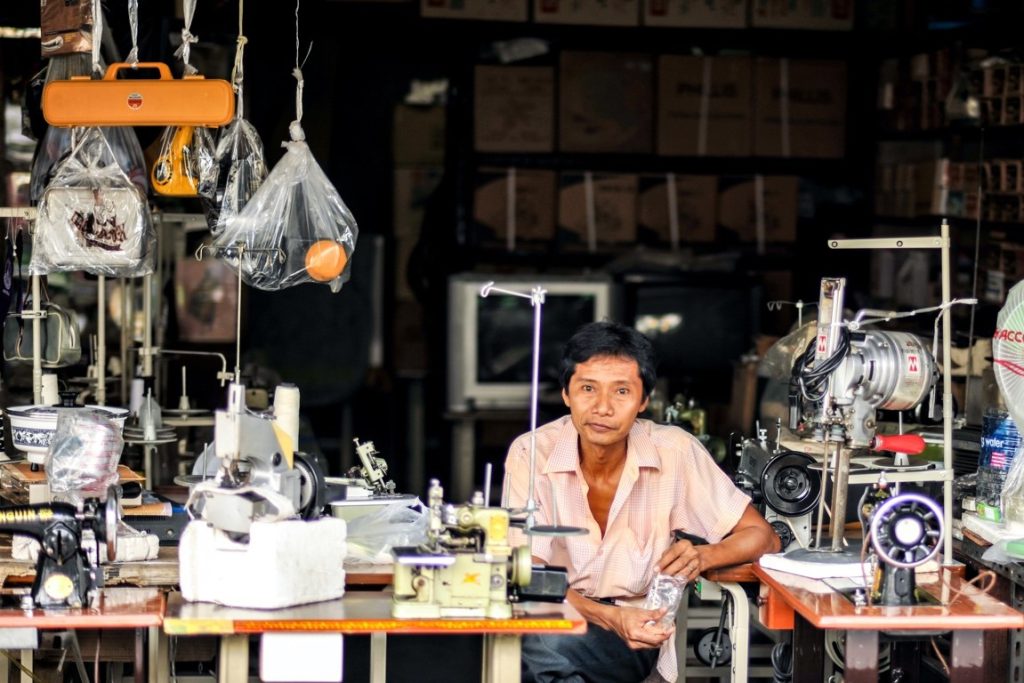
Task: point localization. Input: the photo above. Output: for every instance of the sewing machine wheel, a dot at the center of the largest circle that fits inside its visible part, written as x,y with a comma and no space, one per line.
110,521
522,566
704,647
784,532
312,486
788,486
906,530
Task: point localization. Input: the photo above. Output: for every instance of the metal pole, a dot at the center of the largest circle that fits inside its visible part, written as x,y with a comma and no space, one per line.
101,340
37,346
947,398
147,333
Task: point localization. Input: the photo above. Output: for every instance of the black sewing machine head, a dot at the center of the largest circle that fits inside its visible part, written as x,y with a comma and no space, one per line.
65,577
905,532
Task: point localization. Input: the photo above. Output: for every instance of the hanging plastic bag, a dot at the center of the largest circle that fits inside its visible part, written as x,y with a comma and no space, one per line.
1012,497
185,162
92,217
84,452
56,146
296,228
237,171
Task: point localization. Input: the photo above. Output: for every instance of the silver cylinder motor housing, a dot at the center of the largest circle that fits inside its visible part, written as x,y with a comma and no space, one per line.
888,370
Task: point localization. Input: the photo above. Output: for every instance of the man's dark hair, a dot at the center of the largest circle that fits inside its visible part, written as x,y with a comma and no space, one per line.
609,339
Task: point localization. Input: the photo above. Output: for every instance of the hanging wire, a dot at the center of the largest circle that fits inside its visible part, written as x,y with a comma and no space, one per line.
974,280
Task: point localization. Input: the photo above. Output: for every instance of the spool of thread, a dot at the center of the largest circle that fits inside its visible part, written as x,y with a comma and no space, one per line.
50,393
137,393
286,411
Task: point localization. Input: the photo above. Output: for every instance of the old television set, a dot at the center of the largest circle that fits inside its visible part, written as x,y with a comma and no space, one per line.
700,325
490,340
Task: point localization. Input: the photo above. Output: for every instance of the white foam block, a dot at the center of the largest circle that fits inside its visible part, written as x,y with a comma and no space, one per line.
285,563
301,657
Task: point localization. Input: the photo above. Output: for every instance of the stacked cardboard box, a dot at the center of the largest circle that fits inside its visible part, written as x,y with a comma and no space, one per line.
1002,94
836,15
514,109
762,209
512,206
597,209
693,199
490,10
605,102
690,14
587,12
704,106
800,108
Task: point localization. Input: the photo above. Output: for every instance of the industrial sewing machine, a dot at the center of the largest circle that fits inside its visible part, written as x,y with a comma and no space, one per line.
256,539
843,378
65,576
467,567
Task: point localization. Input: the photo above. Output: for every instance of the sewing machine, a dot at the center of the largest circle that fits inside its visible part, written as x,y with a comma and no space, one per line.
467,567
256,539
373,472
65,576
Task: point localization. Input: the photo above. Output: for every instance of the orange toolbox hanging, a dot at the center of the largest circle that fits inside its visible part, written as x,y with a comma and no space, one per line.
113,101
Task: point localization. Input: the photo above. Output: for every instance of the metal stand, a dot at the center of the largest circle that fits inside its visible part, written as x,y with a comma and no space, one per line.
946,473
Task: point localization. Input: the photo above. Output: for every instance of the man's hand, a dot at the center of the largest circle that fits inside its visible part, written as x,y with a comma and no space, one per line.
683,559
639,627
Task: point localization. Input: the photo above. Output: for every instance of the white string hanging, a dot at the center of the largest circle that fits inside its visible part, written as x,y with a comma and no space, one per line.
236,69
184,50
295,128
97,34
133,20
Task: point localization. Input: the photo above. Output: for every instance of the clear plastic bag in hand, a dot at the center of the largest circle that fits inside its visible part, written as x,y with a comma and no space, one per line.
56,146
185,162
84,453
666,592
92,217
296,229
237,171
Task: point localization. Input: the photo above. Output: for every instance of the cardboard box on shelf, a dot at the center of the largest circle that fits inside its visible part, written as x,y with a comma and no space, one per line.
690,14
533,214
767,201
491,10
610,215
587,12
696,199
514,109
418,135
605,102
800,108
704,106
836,15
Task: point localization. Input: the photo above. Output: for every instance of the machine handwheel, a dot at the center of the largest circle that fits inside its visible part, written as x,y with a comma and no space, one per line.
788,487
704,647
785,534
906,530
312,486
522,566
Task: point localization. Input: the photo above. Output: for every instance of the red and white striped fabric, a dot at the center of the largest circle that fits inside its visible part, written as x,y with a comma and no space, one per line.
669,482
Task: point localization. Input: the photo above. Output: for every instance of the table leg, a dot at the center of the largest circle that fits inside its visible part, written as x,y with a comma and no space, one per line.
808,651
739,631
233,659
502,658
861,660
139,666
378,657
463,458
968,657
27,666
159,661
906,659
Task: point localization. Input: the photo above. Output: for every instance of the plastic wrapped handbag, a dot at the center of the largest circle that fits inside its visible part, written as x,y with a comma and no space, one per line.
92,217
60,343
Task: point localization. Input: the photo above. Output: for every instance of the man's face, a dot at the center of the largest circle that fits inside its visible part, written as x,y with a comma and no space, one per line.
604,397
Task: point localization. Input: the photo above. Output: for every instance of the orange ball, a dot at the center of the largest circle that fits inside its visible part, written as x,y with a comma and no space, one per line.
325,259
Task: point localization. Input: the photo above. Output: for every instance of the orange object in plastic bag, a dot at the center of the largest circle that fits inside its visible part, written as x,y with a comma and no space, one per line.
186,158
113,101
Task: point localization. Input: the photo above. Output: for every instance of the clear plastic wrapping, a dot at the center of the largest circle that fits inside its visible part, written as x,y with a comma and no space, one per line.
84,453
296,228
371,537
57,144
237,171
666,592
185,166
92,217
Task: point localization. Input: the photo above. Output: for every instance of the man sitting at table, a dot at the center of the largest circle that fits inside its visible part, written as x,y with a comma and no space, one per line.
629,483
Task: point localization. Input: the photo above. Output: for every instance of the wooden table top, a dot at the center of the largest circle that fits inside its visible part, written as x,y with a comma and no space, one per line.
116,608
740,573
827,609
360,613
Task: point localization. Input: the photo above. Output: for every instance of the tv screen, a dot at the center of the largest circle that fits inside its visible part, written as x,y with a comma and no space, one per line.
699,329
490,339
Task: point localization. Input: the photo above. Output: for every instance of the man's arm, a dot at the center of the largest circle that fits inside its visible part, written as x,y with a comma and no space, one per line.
632,624
751,538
